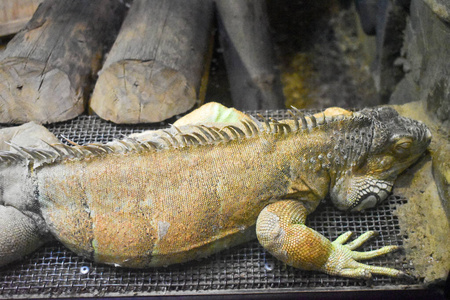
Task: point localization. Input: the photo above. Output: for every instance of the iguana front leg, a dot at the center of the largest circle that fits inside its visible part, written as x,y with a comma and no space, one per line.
20,234
281,230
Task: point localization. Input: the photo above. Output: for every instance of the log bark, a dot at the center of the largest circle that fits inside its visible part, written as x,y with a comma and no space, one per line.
14,15
46,67
249,55
155,67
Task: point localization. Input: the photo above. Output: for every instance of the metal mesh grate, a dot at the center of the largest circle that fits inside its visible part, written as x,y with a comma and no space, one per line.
56,271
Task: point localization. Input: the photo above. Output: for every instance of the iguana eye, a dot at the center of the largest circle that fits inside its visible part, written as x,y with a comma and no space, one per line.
402,145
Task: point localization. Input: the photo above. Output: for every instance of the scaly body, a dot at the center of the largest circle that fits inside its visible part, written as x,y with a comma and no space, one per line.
138,204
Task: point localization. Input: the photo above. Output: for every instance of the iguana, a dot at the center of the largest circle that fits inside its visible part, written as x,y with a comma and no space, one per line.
188,193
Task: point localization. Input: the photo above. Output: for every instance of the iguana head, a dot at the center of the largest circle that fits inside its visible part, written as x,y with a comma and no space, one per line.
392,144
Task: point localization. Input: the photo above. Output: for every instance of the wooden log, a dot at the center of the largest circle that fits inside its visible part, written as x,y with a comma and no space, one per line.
14,15
27,135
155,67
46,67
249,55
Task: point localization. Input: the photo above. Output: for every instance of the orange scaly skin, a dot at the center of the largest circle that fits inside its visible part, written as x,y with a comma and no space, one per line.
196,194
159,208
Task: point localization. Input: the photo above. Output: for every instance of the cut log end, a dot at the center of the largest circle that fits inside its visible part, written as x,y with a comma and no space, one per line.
134,91
31,92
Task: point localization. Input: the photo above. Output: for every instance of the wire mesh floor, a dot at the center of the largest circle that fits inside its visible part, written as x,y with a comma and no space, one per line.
56,271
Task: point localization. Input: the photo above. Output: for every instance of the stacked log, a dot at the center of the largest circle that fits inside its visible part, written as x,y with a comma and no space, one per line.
249,55
14,15
46,67
154,69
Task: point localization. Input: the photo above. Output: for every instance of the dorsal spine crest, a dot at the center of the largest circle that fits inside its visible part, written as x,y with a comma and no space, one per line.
198,136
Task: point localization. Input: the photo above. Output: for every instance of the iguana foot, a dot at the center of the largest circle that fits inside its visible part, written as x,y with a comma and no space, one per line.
343,260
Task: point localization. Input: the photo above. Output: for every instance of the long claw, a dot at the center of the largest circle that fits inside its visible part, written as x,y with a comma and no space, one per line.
407,277
356,243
